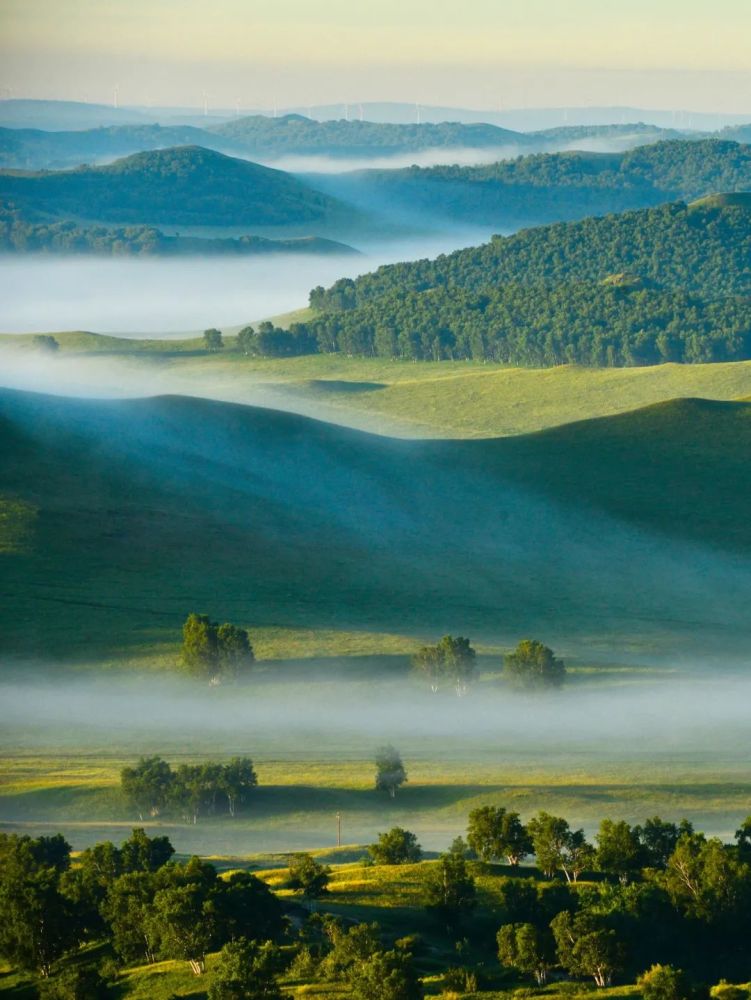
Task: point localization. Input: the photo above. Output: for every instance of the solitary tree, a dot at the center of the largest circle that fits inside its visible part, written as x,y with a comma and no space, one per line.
390,773
586,949
397,847
532,665
212,339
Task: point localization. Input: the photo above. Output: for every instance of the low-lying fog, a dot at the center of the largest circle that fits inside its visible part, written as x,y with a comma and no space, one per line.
163,296
670,743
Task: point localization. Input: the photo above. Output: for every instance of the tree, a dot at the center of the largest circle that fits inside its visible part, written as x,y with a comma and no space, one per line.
706,881
450,891
452,660
390,773
619,851
245,340
200,649
385,975
585,948
234,649
214,651
663,982
428,661
349,948
45,343
147,785
141,853
396,847
528,949
308,876
743,839
493,833
181,921
39,924
126,909
245,971
237,780
556,846
533,665
659,840
212,339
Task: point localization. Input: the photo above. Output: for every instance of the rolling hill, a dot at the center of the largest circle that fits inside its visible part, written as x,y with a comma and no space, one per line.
119,517
186,186
663,284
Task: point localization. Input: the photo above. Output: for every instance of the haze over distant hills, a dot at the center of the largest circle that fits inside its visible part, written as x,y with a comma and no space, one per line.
291,137
50,114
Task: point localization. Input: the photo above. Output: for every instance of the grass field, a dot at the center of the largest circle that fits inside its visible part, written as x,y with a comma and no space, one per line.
445,399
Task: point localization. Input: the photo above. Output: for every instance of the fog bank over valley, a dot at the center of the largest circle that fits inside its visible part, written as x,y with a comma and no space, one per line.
169,297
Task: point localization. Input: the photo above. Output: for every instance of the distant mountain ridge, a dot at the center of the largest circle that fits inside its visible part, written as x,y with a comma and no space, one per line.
260,137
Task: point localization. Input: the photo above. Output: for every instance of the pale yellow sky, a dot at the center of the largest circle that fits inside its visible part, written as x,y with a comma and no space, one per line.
482,53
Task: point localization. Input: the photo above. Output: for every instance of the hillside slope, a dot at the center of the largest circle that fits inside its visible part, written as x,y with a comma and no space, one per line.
188,186
551,187
120,517
665,284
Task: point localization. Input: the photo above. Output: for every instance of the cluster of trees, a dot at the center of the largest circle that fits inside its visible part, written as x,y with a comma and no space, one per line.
134,897
271,341
450,661
660,897
23,231
666,284
531,666
656,893
212,651
153,788
357,956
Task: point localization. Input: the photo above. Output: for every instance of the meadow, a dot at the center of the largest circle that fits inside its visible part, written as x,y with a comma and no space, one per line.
425,399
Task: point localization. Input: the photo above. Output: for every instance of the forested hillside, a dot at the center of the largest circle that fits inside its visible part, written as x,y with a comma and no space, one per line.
670,283
550,187
188,186
25,233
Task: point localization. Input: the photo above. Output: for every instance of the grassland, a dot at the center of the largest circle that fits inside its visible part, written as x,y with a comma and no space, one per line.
444,399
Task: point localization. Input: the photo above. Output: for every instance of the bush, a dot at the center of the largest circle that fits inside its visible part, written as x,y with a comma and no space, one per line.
80,982
663,982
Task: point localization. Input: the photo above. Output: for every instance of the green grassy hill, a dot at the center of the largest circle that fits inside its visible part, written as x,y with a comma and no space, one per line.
187,186
120,517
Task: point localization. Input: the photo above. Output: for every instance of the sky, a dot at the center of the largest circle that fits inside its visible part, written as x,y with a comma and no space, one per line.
489,54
